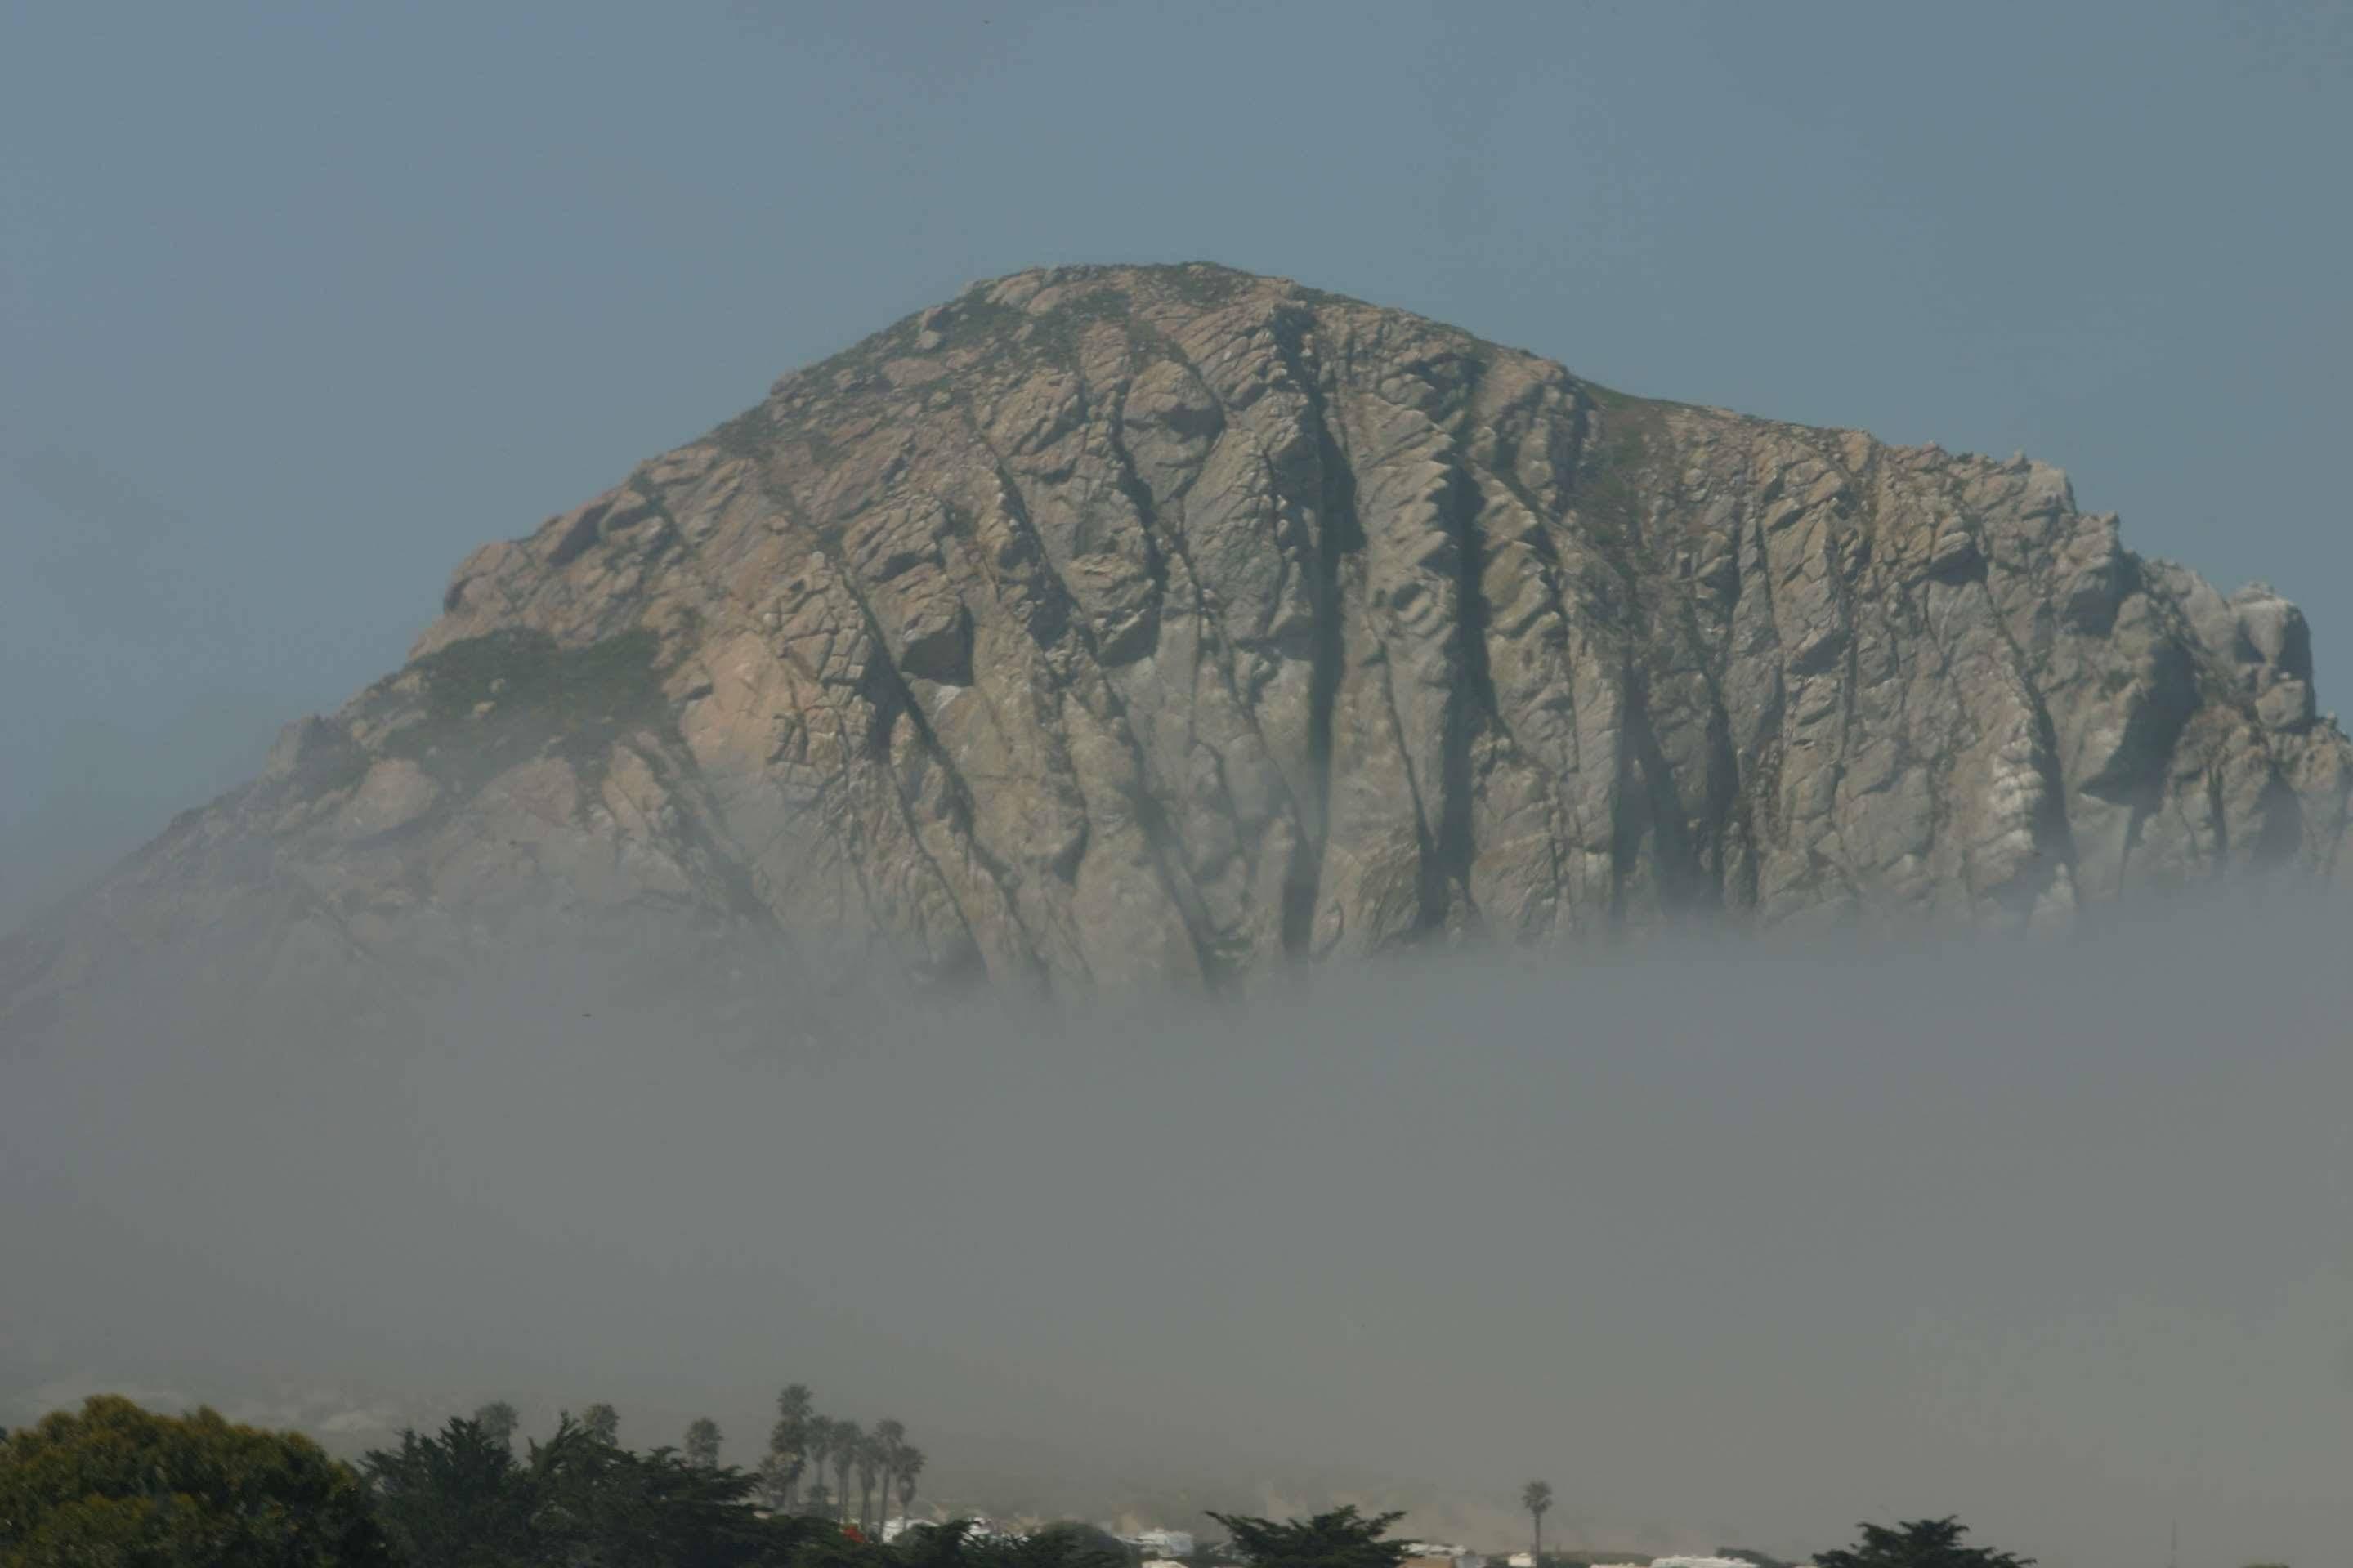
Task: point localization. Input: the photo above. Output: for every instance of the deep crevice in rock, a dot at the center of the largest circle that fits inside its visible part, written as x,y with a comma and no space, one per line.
1338,534
1470,708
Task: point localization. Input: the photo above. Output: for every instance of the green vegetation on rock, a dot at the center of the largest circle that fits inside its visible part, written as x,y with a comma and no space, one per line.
490,702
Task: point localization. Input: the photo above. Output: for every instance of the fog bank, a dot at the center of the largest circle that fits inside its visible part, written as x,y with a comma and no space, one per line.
1734,1245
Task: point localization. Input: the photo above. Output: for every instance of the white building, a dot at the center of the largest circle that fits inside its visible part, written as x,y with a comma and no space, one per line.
1442,1552
1161,1545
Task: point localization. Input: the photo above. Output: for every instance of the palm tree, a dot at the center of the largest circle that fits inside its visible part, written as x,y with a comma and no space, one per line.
846,1436
703,1443
498,1419
890,1442
869,1470
775,1485
789,1440
1536,1497
911,1465
818,1443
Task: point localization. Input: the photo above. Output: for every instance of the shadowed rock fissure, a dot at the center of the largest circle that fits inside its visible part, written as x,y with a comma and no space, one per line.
1470,710
896,700
1654,813
1338,534
1218,969
1166,854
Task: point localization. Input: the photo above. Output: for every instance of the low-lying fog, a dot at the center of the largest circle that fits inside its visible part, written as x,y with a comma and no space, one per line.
1735,1248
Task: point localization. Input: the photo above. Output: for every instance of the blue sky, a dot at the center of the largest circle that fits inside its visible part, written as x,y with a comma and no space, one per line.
300,303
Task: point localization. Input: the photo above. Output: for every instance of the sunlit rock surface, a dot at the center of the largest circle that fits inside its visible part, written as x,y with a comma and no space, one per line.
1169,626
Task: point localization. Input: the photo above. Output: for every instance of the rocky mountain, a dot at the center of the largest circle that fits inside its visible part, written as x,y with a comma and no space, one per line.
1111,626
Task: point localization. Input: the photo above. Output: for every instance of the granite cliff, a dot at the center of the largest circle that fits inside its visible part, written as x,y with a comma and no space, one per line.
1108,626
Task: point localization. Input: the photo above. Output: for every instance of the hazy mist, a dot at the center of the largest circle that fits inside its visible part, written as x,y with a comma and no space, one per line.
1736,1244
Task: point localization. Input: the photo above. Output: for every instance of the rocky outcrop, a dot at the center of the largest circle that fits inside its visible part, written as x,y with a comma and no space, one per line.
1104,627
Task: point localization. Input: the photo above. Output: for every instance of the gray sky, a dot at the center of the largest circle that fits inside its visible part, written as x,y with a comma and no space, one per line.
300,303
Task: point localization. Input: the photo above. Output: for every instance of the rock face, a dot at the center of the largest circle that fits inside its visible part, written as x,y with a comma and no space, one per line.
1104,627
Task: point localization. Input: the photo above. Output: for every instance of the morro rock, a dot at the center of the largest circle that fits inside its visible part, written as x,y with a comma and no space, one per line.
1111,626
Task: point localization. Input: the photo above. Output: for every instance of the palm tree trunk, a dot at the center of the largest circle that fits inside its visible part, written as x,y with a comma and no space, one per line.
1539,1551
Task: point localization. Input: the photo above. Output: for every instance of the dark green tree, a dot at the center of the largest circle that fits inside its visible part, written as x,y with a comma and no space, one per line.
1341,1538
703,1443
824,1543
1918,1544
948,1545
1067,1544
602,1422
113,1483
459,1501
594,1503
499,1419
456,1499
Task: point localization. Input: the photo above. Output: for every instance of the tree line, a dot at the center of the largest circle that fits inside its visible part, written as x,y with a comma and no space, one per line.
115,1484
